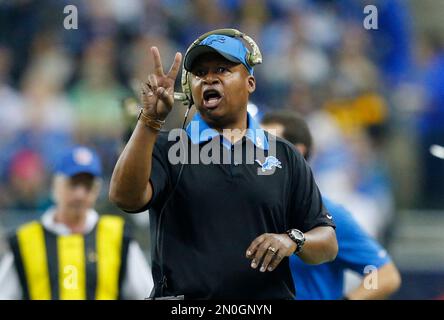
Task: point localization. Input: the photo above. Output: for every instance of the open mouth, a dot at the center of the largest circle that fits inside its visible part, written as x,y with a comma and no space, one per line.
211,98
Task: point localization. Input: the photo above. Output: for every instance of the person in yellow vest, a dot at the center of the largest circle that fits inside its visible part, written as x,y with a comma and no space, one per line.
72,252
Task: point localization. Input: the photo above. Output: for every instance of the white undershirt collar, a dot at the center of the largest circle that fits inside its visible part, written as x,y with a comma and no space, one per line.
59,228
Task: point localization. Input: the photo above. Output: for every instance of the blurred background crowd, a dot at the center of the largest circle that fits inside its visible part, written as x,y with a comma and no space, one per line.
374,99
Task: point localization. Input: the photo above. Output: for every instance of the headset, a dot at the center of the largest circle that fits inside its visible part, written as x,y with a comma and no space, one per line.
253,58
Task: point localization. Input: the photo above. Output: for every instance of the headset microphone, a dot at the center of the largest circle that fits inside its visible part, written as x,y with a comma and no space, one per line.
181,97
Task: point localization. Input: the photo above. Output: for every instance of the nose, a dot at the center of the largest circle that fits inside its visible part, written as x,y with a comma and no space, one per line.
210,78
79,192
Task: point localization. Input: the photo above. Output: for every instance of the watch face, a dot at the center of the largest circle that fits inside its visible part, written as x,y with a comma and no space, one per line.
297,234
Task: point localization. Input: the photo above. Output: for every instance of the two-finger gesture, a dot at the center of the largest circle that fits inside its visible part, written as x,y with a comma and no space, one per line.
158,90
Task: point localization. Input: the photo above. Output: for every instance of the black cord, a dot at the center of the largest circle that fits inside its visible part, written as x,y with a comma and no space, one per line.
159,231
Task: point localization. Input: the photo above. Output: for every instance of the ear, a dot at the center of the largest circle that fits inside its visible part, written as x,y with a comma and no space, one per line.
251,84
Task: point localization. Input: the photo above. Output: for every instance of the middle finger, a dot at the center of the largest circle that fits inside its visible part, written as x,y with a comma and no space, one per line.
158,68
269,256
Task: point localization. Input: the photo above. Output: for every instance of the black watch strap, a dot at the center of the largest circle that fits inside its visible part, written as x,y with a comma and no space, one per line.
298,237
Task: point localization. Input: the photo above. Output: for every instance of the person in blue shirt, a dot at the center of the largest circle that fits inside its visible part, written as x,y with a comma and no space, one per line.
357,250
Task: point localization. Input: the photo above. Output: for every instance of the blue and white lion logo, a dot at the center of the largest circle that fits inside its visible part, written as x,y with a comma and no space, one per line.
269,163
220,39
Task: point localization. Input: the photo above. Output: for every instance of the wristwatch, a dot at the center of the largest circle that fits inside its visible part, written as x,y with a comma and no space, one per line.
298,237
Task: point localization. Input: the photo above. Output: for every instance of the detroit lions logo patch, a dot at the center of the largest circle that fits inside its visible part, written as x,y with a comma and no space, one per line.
220,39
269,163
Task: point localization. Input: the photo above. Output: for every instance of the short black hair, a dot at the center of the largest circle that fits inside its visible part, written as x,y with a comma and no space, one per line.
296,129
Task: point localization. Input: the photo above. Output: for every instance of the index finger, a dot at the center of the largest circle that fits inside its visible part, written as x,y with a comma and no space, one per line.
254,245
172,74
158,69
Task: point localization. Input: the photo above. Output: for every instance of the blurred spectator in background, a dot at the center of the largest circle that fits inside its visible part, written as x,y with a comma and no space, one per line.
96,99
12,120
431,121
72,252
49,115
27,179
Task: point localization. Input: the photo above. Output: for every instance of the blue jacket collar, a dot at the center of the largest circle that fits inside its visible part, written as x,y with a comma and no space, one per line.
199,131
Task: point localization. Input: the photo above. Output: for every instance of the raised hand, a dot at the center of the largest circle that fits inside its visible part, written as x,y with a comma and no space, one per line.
157,94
